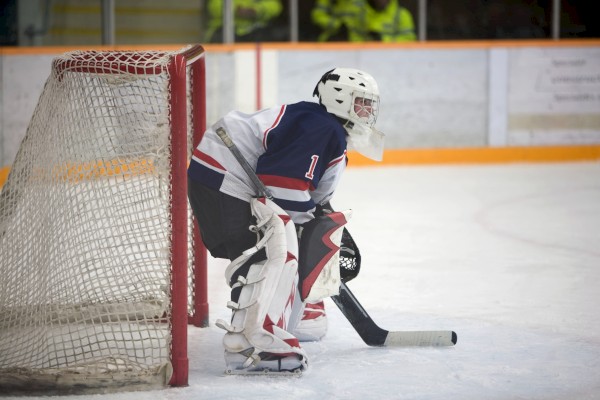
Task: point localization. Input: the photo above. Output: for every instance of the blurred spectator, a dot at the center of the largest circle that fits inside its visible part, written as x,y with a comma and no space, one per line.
9,29
281,27
252,20
572,20
516,19
455,20
363,20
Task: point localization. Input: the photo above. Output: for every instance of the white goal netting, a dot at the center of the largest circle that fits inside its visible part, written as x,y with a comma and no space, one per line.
86,226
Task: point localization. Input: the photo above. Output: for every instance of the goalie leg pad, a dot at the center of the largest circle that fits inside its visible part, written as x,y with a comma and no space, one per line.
264,283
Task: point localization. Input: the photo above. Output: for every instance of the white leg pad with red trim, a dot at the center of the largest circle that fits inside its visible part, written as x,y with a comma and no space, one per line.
265,292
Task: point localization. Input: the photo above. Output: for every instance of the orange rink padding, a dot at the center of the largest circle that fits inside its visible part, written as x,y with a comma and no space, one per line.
475,155
480,155
3,174
288,46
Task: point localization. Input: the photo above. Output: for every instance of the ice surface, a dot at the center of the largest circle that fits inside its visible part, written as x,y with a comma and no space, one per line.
508,256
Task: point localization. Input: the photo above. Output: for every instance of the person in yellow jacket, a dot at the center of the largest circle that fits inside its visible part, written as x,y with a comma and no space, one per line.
363,20
251,19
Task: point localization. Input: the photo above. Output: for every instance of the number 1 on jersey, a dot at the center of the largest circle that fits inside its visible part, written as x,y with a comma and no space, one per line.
313,164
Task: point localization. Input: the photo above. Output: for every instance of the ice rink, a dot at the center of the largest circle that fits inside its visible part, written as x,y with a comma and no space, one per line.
508,256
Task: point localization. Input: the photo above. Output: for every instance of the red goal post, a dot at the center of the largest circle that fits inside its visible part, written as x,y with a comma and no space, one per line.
98,243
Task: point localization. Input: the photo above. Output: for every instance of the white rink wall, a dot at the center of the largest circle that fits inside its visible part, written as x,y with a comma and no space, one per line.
434,95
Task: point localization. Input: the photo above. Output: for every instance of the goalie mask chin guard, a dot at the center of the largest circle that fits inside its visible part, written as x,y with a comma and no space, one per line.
367,141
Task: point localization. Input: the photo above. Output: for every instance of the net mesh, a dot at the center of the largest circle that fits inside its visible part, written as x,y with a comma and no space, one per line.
85,225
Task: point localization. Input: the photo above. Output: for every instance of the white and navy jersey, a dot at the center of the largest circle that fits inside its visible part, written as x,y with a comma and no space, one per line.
297,150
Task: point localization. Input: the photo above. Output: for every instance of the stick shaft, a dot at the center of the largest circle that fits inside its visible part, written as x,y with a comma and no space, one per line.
262,189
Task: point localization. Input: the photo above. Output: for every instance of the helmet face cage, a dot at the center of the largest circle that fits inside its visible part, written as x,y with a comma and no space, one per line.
365,108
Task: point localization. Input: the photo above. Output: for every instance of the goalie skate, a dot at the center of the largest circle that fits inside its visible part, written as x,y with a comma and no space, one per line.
247,363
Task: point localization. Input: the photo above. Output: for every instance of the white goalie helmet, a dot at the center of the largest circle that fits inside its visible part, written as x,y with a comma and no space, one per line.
353,96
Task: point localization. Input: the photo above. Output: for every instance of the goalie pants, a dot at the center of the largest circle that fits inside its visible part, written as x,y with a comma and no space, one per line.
223,221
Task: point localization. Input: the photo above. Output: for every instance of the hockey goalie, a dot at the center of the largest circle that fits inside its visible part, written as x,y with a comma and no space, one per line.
284,248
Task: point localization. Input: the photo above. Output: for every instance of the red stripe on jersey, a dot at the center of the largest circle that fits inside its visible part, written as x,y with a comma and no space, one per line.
283,182
208,159
273,126
337,160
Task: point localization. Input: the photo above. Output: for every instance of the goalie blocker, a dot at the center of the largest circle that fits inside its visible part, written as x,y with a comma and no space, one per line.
319,268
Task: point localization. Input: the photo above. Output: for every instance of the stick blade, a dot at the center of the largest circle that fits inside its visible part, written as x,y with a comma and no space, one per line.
420,338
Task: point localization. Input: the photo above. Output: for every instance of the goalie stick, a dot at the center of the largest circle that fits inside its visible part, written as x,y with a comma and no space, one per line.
348,304
373,335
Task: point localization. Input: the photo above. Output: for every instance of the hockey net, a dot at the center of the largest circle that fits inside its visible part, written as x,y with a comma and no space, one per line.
95,231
